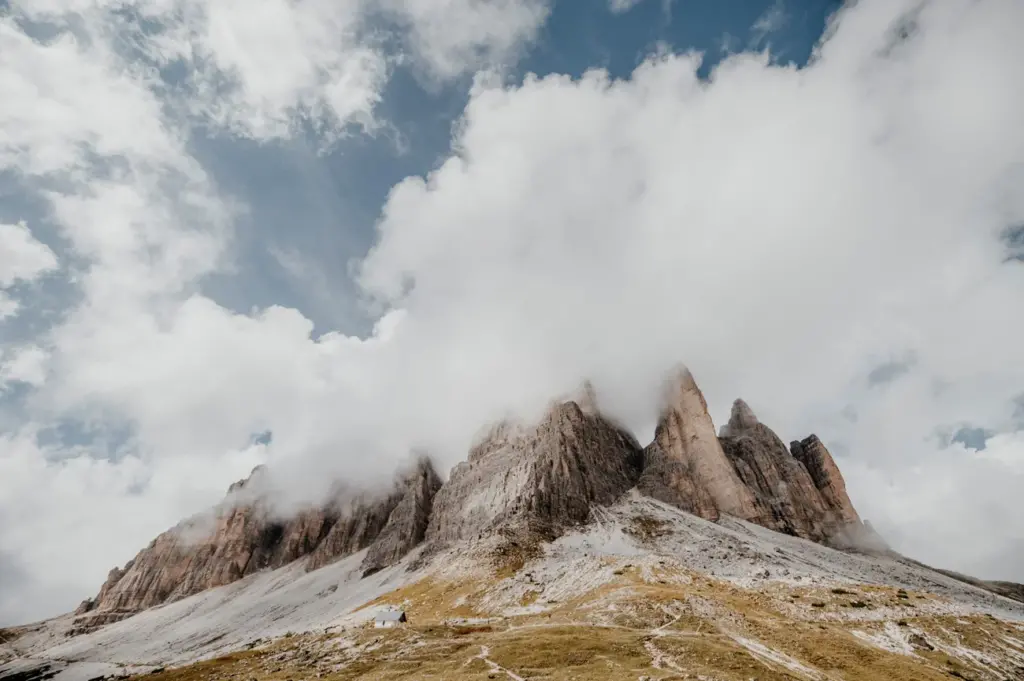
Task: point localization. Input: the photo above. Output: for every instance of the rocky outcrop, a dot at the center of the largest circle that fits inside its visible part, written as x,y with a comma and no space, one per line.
407,524
826,476
685,465
778,480
800,488
747,472
542,479
243,536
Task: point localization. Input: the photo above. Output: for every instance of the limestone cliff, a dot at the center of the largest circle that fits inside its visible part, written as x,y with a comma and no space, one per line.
826,476
778,480
407,523
685,465
544,477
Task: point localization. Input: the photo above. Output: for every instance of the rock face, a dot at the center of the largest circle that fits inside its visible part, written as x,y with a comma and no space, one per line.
826,476
242,536
685,465
800,489
748,472
407,523
779,481
542,478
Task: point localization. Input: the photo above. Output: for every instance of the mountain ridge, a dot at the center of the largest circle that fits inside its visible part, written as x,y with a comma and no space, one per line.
533,482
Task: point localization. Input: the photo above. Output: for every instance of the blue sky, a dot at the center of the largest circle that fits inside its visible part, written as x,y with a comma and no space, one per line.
321,207
321,235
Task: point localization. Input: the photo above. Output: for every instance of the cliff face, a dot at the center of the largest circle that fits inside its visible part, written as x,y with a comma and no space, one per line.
826,476
779,481
242,537
543,478
407,523
748,472
685,465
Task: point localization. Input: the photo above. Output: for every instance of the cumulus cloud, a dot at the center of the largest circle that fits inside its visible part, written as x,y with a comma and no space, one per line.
785,232
454,36
621,6
22,259
102,101
772,20
23,365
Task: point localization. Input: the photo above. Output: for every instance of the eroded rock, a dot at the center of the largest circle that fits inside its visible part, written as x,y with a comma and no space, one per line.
243,536
685,465
826,476
779,482
544,478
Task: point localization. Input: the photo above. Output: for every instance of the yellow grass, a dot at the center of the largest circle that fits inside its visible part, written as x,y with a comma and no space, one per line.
633,627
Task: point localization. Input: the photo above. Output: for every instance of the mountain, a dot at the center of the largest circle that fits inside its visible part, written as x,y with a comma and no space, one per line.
244,536
540,479
685,465
558,549
527,482
799,490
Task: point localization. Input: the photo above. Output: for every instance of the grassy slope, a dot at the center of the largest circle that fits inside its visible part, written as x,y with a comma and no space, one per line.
660,625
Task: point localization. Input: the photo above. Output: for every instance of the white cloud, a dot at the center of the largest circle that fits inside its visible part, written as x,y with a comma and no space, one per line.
162,388
8,306
23,258
773,19
452,37
784,232
621,6
23,365
261,69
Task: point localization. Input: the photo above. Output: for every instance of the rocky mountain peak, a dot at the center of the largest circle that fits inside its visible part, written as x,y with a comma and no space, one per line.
826,476
799,489
587,399
253,483
685,465
543,477
782,486
741,419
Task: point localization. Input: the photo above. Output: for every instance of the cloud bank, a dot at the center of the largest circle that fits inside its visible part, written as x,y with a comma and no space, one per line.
786,232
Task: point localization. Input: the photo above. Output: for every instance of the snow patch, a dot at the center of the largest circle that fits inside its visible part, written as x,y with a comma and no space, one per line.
771,656
892,638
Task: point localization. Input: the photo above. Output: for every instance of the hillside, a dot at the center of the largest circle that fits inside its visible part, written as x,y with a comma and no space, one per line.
558,550
644,589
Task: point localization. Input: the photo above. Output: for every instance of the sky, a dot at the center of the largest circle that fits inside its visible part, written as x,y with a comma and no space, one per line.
324,235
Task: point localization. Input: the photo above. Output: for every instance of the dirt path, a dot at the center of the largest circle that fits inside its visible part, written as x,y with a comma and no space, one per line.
495,667
660,659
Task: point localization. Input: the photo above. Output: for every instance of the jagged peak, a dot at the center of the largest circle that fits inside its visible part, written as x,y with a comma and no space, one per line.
422,468
494,437
680,394
686,465
741,419
573,409
587,399
256,475
818,461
